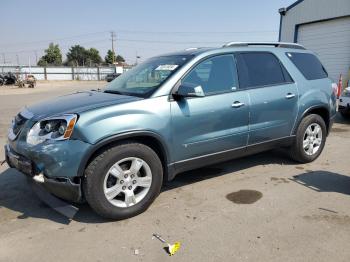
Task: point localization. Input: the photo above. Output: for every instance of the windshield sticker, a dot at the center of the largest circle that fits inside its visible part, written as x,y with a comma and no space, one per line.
167,67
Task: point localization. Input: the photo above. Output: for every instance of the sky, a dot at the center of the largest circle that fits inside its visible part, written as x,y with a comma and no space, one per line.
143,28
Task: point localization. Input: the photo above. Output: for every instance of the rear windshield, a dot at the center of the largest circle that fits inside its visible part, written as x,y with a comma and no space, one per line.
308,65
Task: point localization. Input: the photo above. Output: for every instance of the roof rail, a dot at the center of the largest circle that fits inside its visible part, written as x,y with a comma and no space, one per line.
275,44
193,48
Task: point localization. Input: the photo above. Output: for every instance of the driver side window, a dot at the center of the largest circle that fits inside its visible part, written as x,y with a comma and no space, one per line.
215,75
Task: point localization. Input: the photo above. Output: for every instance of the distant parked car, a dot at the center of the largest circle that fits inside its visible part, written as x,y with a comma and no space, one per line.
2,80
344,103
31,81
111,77
8,79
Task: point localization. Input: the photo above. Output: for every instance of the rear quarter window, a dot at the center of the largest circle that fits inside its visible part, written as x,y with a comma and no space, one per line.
309,65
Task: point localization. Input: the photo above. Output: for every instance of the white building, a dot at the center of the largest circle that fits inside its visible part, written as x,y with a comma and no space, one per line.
322,26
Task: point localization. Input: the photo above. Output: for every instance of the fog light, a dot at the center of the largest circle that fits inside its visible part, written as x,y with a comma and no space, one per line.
39,178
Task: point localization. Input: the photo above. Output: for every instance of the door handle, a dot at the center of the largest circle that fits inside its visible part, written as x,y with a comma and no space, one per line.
237,104
290,95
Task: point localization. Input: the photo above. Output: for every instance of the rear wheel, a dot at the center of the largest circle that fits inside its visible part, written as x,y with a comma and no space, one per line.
123,181
310,139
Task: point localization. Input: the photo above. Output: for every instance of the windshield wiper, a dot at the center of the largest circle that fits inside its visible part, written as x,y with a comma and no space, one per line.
114,92
123,93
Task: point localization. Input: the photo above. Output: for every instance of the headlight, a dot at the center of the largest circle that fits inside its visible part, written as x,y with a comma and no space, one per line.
54,128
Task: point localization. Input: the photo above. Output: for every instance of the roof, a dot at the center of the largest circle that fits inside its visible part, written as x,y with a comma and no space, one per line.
190,51
232,46
294,4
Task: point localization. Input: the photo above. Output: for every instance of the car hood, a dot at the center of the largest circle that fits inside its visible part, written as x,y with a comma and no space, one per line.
77,103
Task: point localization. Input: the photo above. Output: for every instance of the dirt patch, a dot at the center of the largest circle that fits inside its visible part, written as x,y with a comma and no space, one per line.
244,196
339,130
279,180
335,219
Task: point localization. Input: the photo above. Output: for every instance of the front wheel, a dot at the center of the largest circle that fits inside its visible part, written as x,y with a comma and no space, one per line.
310,139
123,181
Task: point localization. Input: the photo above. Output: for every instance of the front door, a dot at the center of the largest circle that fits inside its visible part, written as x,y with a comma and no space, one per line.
215,123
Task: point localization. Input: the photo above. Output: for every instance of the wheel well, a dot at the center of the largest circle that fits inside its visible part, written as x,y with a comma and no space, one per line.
322,112
150,141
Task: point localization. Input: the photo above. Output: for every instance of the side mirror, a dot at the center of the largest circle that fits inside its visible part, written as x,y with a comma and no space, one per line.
189,90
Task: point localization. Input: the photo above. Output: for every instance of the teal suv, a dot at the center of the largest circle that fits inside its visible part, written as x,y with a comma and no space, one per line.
116,147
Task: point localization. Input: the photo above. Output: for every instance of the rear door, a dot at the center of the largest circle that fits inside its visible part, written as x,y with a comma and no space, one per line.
273,96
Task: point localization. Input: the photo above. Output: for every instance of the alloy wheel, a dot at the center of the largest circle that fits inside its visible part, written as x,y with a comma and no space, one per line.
127,182
312,139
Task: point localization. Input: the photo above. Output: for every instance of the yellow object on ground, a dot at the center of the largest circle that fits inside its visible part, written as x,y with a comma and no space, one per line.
172,249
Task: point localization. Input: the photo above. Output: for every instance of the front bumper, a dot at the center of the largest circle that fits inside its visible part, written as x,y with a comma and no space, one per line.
344,104
62,187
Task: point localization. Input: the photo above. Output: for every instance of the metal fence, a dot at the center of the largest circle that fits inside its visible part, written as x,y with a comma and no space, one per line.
62,73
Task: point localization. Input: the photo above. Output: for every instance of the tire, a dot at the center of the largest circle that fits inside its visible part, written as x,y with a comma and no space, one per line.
297,150
99,178
345,115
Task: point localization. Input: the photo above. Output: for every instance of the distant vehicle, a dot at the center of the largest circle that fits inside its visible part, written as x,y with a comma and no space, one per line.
344,103
8,79
31,81
176,112
111,77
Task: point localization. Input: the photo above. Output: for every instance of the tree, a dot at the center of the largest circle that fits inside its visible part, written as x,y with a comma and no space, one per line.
109,57
93,56
119,59
77,56
52,56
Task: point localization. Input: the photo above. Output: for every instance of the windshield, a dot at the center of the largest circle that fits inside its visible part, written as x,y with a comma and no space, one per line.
144,79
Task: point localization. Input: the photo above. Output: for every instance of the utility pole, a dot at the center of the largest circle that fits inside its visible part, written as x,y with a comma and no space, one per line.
3,58
113,38
36,57
17,59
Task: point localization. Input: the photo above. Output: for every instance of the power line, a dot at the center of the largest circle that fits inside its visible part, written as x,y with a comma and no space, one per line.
113,39
140,32
54,39
197,32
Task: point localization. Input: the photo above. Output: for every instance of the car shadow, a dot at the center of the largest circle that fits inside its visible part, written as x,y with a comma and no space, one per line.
324,181
341,120
18,196
236,165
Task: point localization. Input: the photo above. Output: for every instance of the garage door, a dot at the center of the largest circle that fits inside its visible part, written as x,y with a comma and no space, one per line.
331,41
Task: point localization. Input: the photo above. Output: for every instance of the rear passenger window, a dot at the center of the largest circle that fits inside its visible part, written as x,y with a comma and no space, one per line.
215,75
260,69
308,65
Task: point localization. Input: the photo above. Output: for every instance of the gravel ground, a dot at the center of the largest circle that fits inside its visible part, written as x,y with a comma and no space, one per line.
259,208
